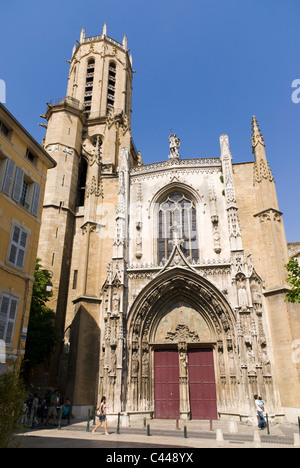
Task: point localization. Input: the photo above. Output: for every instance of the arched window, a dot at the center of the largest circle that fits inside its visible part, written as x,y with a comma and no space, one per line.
89,84
111,89
177,212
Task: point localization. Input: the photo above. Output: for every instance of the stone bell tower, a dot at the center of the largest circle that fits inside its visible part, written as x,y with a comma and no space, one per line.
87,131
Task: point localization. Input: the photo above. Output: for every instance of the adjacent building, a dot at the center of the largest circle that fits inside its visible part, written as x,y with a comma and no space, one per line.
169,278
23,171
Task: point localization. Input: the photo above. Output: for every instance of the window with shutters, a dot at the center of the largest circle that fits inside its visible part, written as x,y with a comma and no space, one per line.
7,171
17,250
8,312
26,192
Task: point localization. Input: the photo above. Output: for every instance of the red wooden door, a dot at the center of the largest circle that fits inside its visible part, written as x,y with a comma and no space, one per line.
166,384
203,398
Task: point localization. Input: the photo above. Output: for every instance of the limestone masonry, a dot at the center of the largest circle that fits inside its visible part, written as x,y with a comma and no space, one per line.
169,278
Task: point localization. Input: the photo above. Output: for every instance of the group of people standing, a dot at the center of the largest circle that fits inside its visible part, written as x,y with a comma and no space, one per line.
37,410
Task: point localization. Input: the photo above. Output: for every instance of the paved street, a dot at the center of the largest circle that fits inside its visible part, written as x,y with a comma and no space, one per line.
163,436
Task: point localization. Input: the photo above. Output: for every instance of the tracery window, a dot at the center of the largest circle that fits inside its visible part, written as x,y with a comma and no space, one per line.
177,216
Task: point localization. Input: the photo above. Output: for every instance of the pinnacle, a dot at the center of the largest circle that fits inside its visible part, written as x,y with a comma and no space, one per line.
256,133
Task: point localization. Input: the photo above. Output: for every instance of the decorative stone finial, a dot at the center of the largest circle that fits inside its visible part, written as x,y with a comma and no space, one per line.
82,35
256,134
225,148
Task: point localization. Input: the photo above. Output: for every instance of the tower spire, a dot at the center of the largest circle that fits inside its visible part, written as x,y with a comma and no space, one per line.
256,134
261,166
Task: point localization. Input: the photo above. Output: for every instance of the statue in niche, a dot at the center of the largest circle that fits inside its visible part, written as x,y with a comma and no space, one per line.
113,362
266,362
250,359
183,363
221,362
134,364
145,365
257,300
242,296
116,302
231,362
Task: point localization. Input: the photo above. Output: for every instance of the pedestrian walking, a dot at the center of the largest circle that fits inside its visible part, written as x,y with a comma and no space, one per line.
52,407
260,412
102,415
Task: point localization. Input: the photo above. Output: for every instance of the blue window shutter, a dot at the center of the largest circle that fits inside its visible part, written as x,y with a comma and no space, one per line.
18,184
36,199
8,178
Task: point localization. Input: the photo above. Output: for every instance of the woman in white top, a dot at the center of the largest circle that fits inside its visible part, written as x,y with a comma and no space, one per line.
102,416
260,412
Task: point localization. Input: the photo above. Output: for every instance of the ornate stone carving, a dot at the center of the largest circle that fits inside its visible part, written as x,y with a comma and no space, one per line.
140,159
215,220
174,146
94,187
134,364
182,333
242,295
121,212
91,149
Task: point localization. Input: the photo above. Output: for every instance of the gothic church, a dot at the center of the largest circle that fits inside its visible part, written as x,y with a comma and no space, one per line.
169,279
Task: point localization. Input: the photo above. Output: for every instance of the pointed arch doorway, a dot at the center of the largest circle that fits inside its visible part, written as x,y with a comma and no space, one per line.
178,328
184,373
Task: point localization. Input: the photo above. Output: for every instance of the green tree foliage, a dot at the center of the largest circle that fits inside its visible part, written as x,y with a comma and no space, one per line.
12,398
293,280
42,333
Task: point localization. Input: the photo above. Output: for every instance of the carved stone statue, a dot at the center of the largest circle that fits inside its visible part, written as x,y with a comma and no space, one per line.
257,300
134,365
174,146
183,363
242,296
116,302
145,365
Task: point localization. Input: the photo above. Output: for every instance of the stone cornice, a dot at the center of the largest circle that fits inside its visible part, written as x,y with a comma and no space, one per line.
203,163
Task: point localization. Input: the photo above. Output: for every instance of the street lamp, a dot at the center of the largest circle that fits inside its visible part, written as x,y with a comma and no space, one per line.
49,285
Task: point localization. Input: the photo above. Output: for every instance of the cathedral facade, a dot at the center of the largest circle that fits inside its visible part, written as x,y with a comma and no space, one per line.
169,278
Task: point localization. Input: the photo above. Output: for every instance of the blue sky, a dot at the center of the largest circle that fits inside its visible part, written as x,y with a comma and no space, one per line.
204,67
